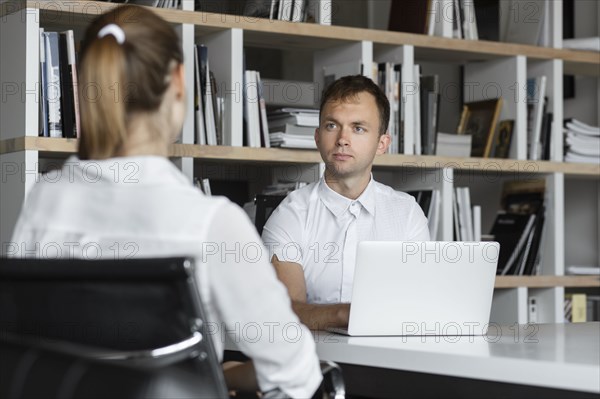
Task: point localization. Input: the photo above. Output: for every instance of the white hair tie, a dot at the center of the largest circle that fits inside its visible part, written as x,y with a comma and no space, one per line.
115,30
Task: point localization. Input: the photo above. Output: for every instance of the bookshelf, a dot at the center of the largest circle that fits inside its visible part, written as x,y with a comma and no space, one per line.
23,154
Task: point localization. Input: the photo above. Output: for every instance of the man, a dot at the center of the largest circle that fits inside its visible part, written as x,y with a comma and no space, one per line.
314,232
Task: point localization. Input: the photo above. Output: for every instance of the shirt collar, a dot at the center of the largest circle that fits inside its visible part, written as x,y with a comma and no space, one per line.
338,204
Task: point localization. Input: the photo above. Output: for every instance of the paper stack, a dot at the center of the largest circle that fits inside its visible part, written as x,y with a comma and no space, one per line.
582,142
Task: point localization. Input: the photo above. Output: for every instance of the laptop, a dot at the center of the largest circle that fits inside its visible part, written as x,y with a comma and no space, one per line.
422,288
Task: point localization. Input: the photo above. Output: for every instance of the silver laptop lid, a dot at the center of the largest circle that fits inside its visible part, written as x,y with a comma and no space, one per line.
423,288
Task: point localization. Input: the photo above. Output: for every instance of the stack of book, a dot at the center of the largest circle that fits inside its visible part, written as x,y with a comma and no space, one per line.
255,111
207,105
293,127
584,44
318,11
453,145
176,4
519,227
582,142
58,76
467,218
447,18
387,76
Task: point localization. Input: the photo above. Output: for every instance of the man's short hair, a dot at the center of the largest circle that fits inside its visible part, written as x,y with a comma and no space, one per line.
348,87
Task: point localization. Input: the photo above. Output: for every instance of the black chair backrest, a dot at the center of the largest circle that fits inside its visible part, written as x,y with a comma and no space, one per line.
265,205
119,306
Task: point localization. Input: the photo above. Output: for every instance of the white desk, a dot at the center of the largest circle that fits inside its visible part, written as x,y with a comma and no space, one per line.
555,356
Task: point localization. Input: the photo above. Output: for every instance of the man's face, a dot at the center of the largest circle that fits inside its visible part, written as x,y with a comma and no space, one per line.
348,136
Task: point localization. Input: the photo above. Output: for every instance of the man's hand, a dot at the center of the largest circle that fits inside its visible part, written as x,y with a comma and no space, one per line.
240,376
315,317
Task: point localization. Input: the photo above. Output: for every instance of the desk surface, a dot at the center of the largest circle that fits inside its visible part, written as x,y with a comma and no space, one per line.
561,356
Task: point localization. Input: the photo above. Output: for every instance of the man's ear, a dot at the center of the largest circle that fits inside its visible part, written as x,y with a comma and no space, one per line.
383,144
317,136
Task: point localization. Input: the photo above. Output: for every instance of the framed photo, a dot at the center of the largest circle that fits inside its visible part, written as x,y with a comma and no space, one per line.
503,139
479,119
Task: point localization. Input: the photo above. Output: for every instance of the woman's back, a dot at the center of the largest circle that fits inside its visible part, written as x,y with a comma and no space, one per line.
123,198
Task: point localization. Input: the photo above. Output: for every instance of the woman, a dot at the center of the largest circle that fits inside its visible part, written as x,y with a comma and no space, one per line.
122,197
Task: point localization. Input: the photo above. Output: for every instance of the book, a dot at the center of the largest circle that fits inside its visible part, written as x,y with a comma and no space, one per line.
465,217
199,124
521,22
67,105
579,127
458,236
519,226
207,96
72,59
43,118
285,10
457,23
469,20
536,96
430,99
532,258
410,16
511,231
320,11
583,270
487,13
289,128
476,223
286,140
417,111
442,18
298,11
300,118
582,142
262,108
585,43
290,93
252,114
53,85
546,135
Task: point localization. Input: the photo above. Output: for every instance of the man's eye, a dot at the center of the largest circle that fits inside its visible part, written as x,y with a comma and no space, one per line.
330,126
359,129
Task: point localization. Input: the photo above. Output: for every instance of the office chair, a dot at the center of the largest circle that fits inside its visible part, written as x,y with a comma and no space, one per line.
141,314
265,205
76,325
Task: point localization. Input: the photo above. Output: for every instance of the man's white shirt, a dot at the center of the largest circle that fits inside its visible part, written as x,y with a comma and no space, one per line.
320,229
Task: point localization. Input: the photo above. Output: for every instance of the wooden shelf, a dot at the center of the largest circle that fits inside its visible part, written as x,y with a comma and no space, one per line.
286,35
547,281
293,156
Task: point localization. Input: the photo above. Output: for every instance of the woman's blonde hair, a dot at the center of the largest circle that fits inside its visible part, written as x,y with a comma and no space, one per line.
116,80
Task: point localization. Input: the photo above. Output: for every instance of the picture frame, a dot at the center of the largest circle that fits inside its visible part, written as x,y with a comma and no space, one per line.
503,138
479,119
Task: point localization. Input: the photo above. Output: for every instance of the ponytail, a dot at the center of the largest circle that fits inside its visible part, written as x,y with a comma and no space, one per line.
126,57
104,126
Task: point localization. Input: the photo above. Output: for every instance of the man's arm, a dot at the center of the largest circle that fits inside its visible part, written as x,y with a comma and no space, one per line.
315,317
